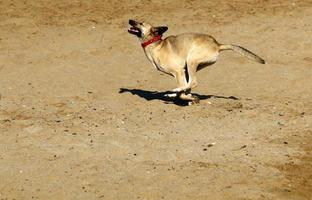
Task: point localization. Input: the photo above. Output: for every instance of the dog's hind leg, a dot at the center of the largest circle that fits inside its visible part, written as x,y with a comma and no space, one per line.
192,82
189,97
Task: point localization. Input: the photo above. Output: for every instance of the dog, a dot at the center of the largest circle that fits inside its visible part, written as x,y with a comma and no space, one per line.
181,56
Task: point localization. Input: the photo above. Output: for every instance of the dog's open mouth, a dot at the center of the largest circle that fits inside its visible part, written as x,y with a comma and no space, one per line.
134,30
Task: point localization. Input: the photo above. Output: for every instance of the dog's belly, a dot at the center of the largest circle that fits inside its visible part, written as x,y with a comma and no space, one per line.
214,58
208,62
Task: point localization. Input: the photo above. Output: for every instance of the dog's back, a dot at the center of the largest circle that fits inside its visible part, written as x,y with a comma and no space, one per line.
184,43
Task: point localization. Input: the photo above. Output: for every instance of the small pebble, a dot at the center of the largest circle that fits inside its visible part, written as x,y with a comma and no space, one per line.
211,144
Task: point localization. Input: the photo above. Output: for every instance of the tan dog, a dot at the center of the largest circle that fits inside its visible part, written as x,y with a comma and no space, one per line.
183,55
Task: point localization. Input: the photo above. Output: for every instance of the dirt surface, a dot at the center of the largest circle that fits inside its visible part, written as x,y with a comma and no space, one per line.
83,116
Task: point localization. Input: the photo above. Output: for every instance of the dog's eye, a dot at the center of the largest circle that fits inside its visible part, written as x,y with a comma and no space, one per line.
141,24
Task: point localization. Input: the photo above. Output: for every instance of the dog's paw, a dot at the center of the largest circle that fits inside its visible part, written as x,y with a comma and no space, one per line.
173,95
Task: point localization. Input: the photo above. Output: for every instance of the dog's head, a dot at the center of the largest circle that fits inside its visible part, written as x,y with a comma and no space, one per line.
144,30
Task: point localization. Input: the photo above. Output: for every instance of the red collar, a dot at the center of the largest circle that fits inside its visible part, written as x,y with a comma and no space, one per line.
148,42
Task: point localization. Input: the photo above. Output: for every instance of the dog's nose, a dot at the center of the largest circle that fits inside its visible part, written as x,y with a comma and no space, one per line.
132,22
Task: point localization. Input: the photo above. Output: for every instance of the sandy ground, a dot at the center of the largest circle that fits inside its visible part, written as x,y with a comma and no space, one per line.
82,112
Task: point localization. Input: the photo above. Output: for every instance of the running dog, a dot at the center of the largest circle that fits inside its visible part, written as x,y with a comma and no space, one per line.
181,56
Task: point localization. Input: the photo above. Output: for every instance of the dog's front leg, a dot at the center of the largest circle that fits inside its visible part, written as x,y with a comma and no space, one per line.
180,91
181,81
192,82
183,90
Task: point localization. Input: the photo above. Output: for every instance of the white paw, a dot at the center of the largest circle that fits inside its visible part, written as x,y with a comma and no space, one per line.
171,95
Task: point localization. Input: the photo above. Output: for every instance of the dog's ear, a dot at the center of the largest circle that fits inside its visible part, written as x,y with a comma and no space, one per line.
159,30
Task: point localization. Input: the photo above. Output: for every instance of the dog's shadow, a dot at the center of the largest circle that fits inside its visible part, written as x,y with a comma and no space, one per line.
154,95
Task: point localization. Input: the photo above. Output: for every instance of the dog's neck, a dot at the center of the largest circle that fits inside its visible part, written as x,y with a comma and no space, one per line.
150,41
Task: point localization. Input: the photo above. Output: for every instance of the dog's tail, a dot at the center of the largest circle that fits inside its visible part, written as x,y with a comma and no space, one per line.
242,51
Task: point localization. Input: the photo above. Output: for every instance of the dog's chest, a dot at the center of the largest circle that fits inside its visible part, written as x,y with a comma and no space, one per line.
155,63
158,66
